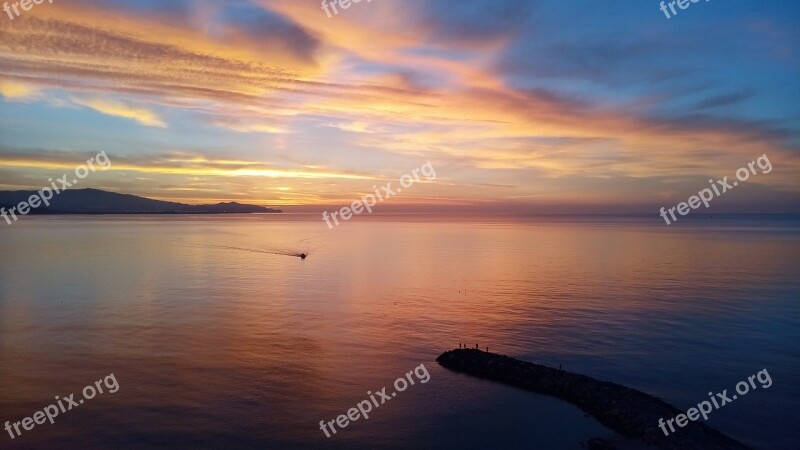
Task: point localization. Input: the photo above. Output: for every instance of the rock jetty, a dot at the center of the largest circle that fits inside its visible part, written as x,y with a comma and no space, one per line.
631,413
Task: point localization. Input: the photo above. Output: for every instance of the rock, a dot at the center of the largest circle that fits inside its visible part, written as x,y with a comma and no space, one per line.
627,411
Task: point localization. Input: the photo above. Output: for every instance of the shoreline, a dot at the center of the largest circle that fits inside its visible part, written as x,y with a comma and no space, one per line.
626,411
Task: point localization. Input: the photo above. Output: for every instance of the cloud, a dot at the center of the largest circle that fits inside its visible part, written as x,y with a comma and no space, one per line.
14,90
248,125
118,109
473,23
353,127
180,163
723,100
83,53
511,102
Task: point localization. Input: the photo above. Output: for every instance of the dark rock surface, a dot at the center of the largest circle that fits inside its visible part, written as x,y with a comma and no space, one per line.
629,412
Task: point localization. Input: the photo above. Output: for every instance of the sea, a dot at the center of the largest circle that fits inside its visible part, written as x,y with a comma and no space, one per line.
219,336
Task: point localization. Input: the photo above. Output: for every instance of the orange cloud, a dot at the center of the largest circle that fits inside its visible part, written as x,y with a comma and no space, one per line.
118,109
14,90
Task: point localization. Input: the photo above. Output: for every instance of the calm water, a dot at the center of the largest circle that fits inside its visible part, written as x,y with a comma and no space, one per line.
224,348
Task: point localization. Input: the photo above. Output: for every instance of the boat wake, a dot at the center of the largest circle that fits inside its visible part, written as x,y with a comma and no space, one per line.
301,255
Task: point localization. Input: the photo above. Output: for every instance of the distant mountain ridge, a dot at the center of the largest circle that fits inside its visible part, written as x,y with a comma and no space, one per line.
95,201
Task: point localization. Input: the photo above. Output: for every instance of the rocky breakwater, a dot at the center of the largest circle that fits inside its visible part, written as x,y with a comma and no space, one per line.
631,413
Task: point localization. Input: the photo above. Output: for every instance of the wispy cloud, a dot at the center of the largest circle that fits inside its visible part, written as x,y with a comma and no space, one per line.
248,126
119,109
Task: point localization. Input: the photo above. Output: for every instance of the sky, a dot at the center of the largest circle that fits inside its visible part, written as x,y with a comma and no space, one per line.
521,106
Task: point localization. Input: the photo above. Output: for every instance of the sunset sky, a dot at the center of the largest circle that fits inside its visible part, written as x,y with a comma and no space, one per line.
539,106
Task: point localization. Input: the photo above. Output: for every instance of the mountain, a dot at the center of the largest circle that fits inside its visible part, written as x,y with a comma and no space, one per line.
94,201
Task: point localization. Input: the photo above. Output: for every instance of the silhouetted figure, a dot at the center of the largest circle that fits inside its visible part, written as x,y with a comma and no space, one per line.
476,345
559,367
487,349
